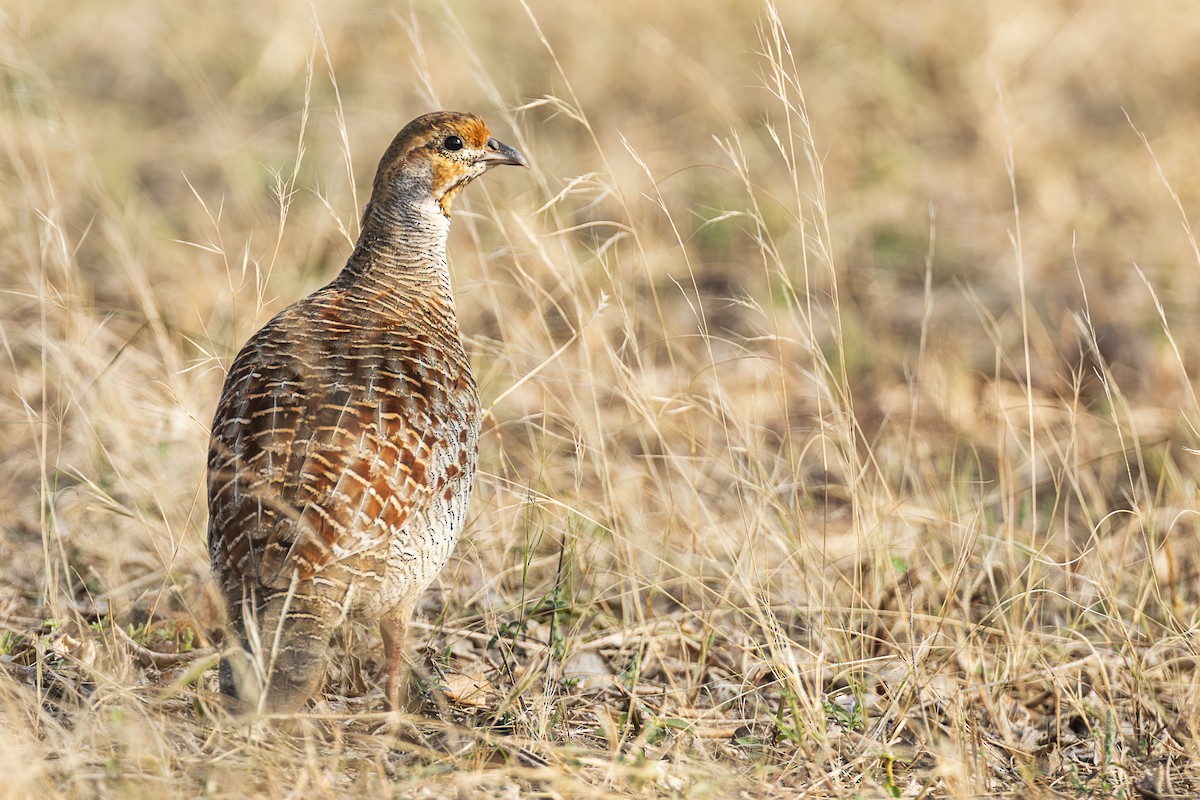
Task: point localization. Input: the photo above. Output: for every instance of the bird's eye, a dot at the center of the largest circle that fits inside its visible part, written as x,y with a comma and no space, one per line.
453,143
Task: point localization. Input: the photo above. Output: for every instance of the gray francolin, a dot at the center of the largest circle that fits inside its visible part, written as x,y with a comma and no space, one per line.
343,446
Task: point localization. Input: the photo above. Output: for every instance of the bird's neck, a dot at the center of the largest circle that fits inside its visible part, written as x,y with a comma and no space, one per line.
401,252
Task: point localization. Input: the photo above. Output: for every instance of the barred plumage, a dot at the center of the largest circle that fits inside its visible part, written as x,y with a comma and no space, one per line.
343,446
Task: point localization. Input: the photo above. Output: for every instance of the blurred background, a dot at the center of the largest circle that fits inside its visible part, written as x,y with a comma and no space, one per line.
812,327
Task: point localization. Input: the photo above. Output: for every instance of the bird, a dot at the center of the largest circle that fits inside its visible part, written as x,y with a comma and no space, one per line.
343,447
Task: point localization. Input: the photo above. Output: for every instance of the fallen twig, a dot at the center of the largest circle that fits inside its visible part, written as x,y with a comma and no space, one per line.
153,658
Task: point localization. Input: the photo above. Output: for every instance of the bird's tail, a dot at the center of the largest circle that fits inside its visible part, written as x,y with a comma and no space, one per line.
283,638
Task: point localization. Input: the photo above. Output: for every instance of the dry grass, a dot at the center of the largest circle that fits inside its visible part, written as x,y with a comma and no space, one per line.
838,372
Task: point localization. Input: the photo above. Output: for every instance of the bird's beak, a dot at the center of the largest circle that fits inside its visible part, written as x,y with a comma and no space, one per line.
500,153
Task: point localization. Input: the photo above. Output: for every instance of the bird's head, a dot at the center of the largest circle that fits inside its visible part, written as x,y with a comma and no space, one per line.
436,155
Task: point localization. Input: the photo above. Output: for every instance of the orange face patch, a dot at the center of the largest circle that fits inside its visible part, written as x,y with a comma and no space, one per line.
473,130
450,172
449,177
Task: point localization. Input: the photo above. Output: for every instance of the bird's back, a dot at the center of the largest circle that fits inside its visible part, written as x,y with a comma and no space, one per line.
338,425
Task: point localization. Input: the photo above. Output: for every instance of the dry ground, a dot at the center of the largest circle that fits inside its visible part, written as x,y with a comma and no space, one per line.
838,363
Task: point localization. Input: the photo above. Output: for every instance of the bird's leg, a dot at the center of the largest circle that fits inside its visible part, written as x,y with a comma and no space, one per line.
393,629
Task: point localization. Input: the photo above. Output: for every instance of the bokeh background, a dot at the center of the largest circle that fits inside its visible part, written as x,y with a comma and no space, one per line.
838,361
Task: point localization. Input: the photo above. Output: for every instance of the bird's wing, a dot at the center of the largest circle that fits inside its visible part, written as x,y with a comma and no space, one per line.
324,457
